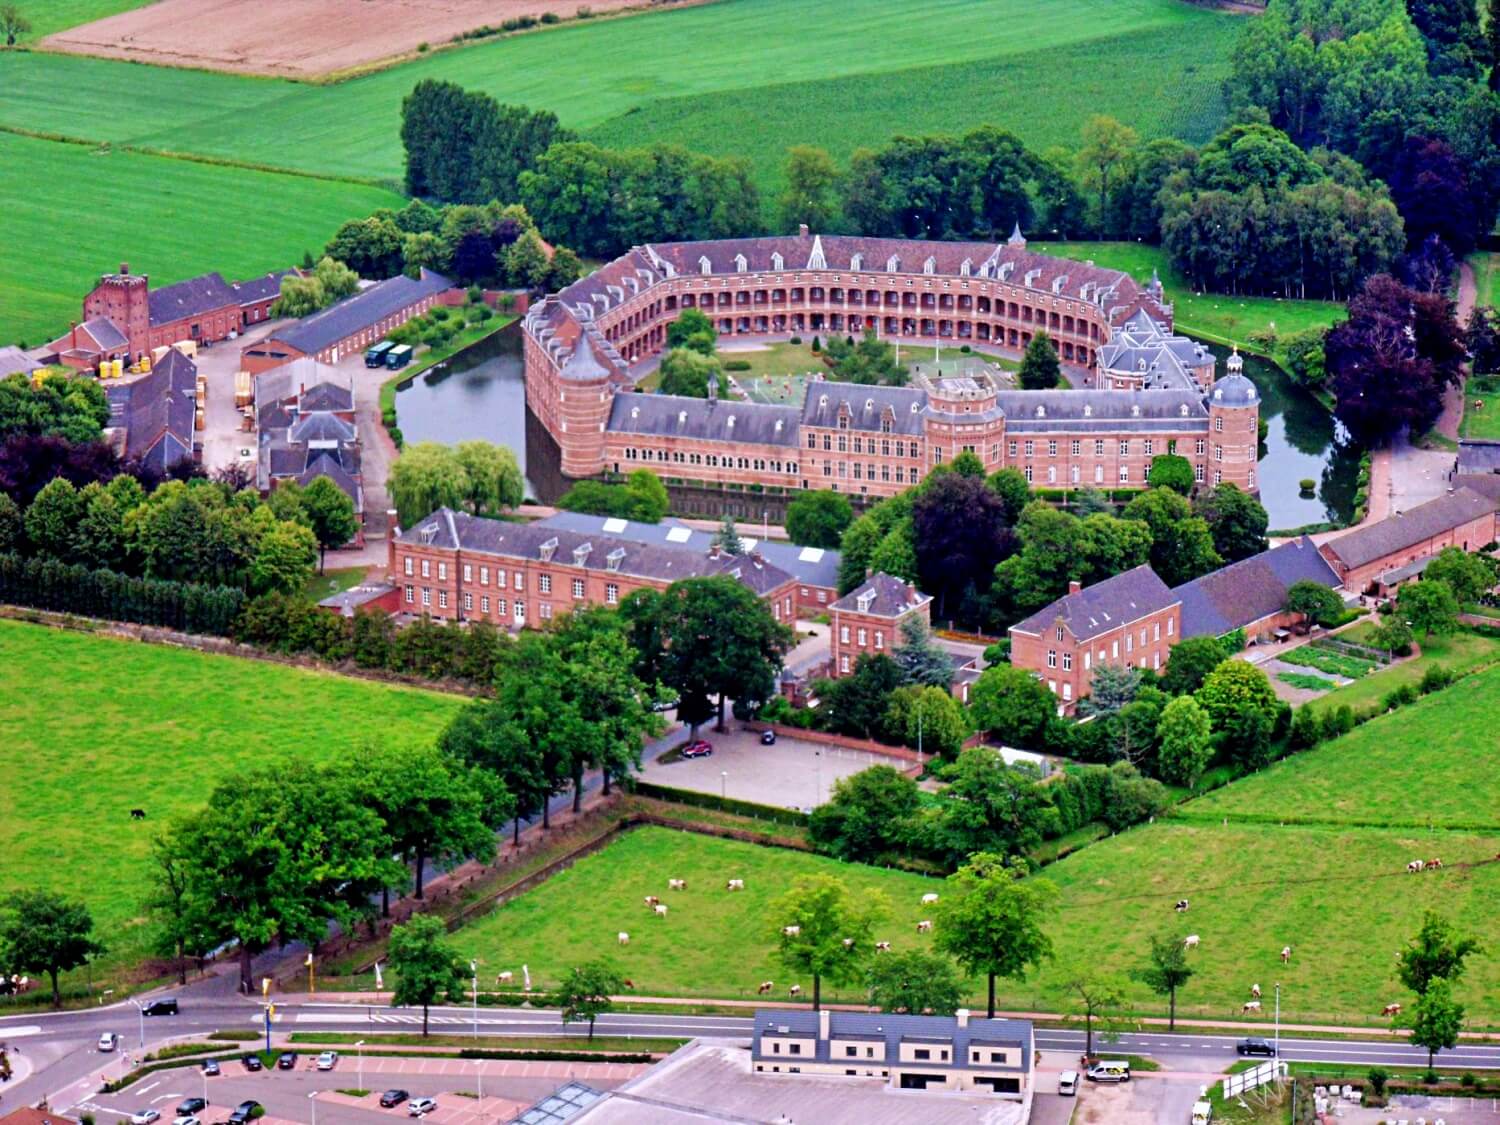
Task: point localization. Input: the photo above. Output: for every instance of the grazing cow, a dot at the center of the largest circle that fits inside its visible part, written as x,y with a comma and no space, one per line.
790,931
735,885
137,814
765,987
505,977
1413,867
929,898
924,925
652,900
795,990
623,937
1434,864
1255,991
1181,907
661,910
628,983
1190,942
676,884
1286,954
882,947
1250,1006
1391,1010
848,943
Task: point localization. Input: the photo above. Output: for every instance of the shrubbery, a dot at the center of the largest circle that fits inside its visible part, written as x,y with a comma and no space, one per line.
42,583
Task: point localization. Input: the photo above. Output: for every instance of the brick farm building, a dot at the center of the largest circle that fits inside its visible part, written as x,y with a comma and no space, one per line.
1148,391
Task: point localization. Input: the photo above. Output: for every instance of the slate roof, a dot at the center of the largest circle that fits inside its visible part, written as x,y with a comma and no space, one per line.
321,426
894,1029
1247,591
811,566
1406,529
704,419
881,595
347,601
156,411
449,529
193,297
325,395
312,334
1142,348
324,465
1479,457
13,360
265,287
1103,606
104,332
869,407
1085,410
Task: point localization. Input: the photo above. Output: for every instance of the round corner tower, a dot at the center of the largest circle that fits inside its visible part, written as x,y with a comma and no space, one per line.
1234,427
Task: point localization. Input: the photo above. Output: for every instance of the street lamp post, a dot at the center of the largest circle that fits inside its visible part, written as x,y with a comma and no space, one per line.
140,1012
479,1074
474,969
1276,1041
818,778
360,1061
724,785
313,1098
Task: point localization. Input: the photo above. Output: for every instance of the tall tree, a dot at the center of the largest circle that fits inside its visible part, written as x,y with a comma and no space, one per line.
588,992
727,538
427,476
868,814
1040,369
492,739
1470,577
42,932
693,329
13,24
818,519
1171,470
1186,743
915,982
184,918
928,719
1437,952
1242,706
330,511
823,930
1113,686
426,967
1429,606
1437,1021
284,559
960,534
1012,704
495,481
1236,520
988,805
687,372
1182,546
53,518
921,659
1191,662
1097,996
1107,148
1314,601
1166,970
811,194
990,920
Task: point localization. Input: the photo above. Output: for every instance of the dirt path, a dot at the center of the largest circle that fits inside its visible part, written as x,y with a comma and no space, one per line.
1453,401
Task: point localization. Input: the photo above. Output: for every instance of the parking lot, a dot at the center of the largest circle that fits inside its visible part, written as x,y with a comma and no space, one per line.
794,773
1145,1100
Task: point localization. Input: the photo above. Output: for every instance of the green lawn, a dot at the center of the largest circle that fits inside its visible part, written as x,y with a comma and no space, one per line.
712,942
47,16
74,212
1482,423
1486,265
331,582
1211,315
1461,652
93,727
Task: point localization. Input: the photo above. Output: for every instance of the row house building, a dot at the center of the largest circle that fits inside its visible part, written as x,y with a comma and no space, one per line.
1150,392
867,621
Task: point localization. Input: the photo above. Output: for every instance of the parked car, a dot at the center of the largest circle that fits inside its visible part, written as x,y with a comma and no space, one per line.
108,1041
245,1112
1110,1070
699,749
1255,1047
328,1060
393,1098
665,705
166,1006
144,1117
191,1106
417,1107
210,1068
1067,1083
287,1061
768,738
186,1119
252,1063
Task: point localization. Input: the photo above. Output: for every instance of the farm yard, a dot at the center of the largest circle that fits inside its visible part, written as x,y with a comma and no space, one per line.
93,727
1462,652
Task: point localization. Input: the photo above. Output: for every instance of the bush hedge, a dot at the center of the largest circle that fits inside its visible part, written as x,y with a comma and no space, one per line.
46,583
723,804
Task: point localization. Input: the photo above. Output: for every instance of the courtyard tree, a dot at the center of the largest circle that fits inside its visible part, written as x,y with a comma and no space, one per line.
1242,706
921,659
285,559
686,372
915,982
1012,705
928,719
588,992
818,518
823,930
1470,577
1192,660
1429,607
427,476
990,920
1170,470
1166,970
1186,744
43,932
330,512
1096,995
1182,546
1236,521
1314,601
1437,1020
1040,369
868,814
425,966
1436,952
811,193
495,483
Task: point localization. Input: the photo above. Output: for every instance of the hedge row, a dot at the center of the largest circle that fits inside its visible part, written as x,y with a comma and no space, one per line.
723,804
46,583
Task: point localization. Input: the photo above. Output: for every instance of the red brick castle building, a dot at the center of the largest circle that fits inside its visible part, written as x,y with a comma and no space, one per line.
1150,392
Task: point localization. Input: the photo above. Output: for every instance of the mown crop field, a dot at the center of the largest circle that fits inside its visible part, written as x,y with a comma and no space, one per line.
74,212
93,727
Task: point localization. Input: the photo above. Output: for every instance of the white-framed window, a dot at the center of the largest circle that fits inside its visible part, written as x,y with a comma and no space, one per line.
520,614
1200,446
1198,473
410,595
578,587
408,567
1052,449
1027,471
1150,446
546,611
1219,424
1124,473
863,637
1218,477
442,572
520,581
844,663
1169,626
843,634
1156,630
468,602
1011,448
1077,447
500,578
1098,447
442,599
1114,650
544,584
1051,474
427,595
1058,632
468,573
1129,643
484,576
1087,661
1067,661
879,639
426,568
502,607
1124,448
1098,474
484,605
1067,692
1052,658
1030,448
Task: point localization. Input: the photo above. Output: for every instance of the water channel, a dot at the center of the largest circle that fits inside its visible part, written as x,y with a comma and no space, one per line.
481,393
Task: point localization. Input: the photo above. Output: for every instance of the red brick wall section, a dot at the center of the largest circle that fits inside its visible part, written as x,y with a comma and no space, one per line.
1067,666
855,634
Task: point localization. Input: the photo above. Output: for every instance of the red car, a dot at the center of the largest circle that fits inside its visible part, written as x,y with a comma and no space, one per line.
699,749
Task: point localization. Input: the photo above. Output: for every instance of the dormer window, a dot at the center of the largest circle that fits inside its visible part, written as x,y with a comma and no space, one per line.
1135,411
865,601
869,405
730,423
740,263
777,262
893,264
930,265
682,417
843,422
1183,410
1041,412
822,402
613,560
704,265
548,549
581,554
427,534
966,268
857,263
1088,411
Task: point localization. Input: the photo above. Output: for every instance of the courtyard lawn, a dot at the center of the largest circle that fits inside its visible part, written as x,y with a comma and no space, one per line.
334,581
93,727
1462,652
1481,423
712,942
1432,763
1486,266
1213,316
75,212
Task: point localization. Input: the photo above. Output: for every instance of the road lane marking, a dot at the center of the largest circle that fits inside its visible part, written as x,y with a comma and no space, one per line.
9,1032
148,1089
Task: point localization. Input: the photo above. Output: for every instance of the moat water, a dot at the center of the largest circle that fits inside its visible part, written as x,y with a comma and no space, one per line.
481,393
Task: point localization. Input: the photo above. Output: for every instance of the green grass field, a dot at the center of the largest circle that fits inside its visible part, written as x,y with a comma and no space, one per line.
1486,266
74,212
1482,423
1211,315
93,727
1462,652
712,942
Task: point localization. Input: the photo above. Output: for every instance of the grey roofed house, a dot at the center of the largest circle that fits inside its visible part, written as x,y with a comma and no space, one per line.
869,408
193,297
1084,410
1478,457
324,465
315,333
1103,606
1406,529
882,595
325,395
321,430
105,333
811,566
449,529
14,360
1142,348
256,289
703,419
156,412
1250,590
891,1030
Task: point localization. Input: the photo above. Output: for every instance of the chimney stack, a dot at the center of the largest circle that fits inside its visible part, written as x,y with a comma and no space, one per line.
802,230
962,1015
823,1023
124,269
1074,586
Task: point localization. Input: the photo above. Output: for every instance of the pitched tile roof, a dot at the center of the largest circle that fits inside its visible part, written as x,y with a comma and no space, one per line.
321,427
104,332
263,288
1246,591
881,595
193,297
1103,606
156,411
325,395
323,329
13,360
868,407
716,420
1406,529
1086,410
324,465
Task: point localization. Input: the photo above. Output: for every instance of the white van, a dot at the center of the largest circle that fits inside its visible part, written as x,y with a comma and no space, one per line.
1067,1083
1110,1070
1203,1113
